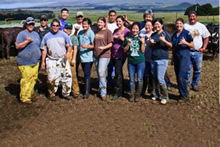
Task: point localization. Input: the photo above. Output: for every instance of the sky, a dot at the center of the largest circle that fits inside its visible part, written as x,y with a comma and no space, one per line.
10,4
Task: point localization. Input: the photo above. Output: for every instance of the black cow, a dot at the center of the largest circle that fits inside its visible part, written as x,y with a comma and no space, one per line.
8,38
213,45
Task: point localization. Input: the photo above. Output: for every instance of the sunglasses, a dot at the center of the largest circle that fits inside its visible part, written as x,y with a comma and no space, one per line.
55,25
31,24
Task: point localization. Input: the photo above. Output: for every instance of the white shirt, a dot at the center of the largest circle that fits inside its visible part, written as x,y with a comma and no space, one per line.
112,26
73,30
198,32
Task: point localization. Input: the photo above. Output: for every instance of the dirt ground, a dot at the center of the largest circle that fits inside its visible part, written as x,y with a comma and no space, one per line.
113,123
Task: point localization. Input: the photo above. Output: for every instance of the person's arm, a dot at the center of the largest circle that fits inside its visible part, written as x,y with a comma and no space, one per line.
74,55
126,19
66,56
142,44
88,46
189,44
167,43
126,48
106,47
43,56
205,44
24,43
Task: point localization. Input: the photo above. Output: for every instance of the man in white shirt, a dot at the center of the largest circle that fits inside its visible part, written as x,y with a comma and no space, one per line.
78,25
200,36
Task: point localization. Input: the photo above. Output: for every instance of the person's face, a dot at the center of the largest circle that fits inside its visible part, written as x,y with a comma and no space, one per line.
79,19
179,25
135,30
55,27
68,31
192,18
112,17
44,23
64,15
101,24
148,17
30,27
148,26
158,26
119,22
85,25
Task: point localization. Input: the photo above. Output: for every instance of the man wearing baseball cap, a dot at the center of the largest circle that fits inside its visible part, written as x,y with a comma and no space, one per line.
43,28
78,25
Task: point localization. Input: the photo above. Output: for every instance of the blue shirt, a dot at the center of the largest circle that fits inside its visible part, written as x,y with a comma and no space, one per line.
55,44
176,40
159,49
86,55
62,23
30,54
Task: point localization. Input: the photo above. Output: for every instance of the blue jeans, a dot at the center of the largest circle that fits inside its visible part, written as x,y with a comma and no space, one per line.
133,69
101,67
159,68
196,63
111,73
181,66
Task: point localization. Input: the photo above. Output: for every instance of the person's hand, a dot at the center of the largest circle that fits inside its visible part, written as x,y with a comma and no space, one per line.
152,41
83,46
42,65
73,62
29,39
129,41
142,40
162,38
66,56
77,27
202,50
101,47
125,17
41,29
183,41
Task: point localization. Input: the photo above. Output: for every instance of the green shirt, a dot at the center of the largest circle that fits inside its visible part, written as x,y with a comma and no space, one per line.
134,53
74,40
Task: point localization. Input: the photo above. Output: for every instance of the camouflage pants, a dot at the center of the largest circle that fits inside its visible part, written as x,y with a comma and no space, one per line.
59,73
29,75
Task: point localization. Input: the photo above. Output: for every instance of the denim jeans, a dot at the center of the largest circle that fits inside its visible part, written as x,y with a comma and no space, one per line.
196,63
119,80
159,68
111,73
86,66
101,67
181,66
133,69
148,79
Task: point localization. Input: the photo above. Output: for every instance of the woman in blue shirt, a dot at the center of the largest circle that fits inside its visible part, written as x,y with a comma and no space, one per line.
182,42
86,45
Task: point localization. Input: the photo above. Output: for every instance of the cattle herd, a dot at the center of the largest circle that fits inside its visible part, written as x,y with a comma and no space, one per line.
8,38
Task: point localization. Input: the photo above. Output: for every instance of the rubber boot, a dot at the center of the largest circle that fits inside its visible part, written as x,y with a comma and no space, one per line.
145,84
139,91
87,89
163,91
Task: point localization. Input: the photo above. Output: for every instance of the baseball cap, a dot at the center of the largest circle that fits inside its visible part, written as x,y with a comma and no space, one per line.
30,20
43,17
68,26
78,14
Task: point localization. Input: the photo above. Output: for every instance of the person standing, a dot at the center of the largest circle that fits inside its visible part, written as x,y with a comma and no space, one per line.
72,59
43,29
160,43
182,42
119,56
102,53
86,45
134,46
56,45
78,25
64,14
200,36
29,54
148,77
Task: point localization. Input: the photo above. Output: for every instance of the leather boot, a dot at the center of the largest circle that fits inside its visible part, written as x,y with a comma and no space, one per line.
87,89
139,91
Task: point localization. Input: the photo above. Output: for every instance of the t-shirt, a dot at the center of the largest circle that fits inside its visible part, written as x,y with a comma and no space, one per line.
148,50
74,40
103,38
73,30
86,55
176,40
62,23
198,32
44,32
30,54
134,53
142,24
112,26
55,44
159,49
117,51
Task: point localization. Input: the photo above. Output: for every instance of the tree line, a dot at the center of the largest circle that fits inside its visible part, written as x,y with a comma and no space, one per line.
203,10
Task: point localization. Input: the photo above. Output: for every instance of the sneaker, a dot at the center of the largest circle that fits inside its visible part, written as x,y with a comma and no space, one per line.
68,97
154,98
163,101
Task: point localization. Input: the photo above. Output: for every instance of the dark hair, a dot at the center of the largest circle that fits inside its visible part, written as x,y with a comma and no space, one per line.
88,21
102,18
137,24
149,21
157,20
64,9
111,12
55,20
180,19
192,12
121,17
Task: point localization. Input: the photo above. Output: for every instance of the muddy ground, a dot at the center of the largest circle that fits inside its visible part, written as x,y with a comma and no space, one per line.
113,123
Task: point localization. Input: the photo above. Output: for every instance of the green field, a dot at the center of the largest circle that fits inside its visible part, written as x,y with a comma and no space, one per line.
168,17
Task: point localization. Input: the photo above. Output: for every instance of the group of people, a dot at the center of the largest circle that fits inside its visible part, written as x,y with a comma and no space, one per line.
61,47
